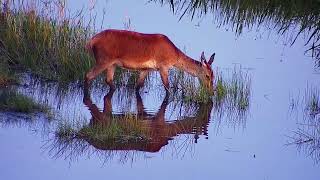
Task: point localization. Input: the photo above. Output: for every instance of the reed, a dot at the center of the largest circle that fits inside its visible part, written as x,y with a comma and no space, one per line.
307,135
34,39
294,18
52,47
312,101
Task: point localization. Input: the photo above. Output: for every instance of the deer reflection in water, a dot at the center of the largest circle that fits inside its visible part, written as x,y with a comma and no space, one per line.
159,131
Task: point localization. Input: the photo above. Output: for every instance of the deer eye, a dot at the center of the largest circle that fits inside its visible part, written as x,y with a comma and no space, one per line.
207,76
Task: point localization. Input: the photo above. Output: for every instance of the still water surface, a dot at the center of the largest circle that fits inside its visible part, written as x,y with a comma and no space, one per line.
253,147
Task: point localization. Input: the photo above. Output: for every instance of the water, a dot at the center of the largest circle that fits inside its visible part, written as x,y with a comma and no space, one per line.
253,147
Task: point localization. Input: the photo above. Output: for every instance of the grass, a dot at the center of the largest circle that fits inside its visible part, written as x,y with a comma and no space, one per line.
12,101
235,90
295,18
34,39
49,46
121,130
312,100
307,139
307,135
187,88
232,97
308,104
6,76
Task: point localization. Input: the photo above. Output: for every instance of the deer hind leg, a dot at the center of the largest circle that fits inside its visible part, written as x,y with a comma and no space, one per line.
109,77
164,78
142,78
94,72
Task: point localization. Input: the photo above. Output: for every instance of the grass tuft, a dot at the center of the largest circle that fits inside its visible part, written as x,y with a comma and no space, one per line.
234,89
108,131
312,101
12,101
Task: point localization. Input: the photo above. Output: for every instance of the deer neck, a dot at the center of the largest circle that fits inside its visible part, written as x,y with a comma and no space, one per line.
189,65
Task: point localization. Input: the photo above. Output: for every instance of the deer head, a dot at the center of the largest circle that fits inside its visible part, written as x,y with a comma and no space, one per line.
207,76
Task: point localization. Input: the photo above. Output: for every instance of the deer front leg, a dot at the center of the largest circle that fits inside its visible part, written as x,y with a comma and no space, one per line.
142,78
109,77
164,78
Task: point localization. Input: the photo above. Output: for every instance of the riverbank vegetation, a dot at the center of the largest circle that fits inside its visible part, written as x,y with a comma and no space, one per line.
15,102
293,18
307,136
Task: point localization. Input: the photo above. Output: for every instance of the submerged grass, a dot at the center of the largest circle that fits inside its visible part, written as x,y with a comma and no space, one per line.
234,89
187,88
232,98
12,101
307,135
312,101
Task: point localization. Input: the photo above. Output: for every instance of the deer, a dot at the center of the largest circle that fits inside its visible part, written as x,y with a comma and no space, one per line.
143,52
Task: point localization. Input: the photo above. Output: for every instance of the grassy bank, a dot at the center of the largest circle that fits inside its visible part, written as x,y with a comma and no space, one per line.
46,41
15,102
33,39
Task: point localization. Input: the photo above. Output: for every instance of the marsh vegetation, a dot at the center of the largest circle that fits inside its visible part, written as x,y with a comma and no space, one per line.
293,18
15,102
42,38
307,136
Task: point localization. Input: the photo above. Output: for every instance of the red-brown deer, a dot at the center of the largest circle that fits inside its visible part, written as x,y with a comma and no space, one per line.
143,52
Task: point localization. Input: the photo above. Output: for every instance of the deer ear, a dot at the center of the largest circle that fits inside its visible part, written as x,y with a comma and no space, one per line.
202,58
211,59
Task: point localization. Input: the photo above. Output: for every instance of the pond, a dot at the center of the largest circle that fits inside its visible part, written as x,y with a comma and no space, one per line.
267,129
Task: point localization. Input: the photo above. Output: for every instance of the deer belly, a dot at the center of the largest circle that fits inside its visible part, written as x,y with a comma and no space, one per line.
150,64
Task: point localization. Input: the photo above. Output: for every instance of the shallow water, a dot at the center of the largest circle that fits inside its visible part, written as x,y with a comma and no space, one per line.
252,147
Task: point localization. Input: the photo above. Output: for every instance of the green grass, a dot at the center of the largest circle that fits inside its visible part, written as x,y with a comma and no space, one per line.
43,44
291,18
12,101
34,39
233,89
187,88
124,129
49,46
